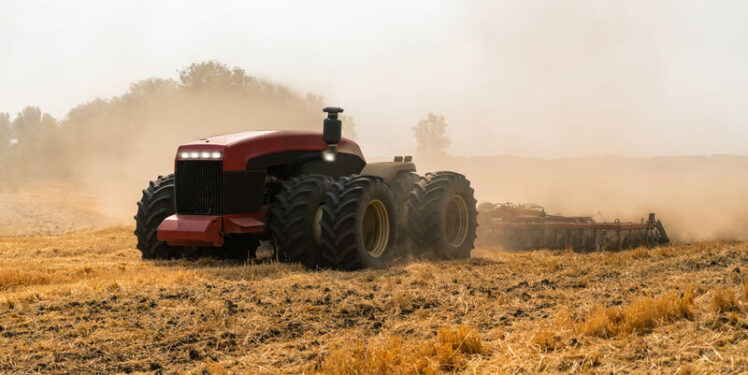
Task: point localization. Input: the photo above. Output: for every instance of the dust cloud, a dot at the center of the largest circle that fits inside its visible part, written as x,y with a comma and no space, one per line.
696,197
103,153
563,85
536,79
90,169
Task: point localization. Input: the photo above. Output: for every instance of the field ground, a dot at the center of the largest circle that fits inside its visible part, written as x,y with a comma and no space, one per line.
84,302
50,208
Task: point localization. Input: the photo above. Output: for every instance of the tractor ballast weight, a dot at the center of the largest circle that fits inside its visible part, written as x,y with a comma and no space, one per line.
229,192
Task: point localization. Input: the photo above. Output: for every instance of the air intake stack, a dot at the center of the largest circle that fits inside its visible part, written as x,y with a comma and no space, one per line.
332,132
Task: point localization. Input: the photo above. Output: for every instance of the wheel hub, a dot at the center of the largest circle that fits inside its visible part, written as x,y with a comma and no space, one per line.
376,228
317,226
456,221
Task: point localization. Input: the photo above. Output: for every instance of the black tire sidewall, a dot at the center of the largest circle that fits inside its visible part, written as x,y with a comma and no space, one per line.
401,185
292,230
427,214
443,244
152,210
314,203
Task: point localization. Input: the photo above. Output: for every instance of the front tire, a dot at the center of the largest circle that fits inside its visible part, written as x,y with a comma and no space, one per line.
156,204
359,224
442,218
294,219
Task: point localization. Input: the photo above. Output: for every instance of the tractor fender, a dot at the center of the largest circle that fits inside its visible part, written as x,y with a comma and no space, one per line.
388,170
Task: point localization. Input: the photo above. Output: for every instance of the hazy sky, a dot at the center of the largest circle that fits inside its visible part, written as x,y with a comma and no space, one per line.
532,78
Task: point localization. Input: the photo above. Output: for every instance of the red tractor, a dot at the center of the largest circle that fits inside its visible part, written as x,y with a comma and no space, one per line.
313,195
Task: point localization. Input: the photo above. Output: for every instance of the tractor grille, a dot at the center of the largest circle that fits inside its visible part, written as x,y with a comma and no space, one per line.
199,187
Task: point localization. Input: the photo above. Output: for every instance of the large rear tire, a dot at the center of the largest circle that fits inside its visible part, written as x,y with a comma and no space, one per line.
442,218
156,204
401,186
359,224
295,217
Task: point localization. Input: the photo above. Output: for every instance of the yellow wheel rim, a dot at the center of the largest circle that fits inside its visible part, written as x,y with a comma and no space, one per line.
456,221
317,226
375,228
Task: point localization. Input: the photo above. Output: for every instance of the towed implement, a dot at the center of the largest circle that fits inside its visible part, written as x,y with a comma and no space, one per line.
528,227
312,194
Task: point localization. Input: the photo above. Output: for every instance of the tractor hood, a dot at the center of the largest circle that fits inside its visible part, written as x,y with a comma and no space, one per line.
239,148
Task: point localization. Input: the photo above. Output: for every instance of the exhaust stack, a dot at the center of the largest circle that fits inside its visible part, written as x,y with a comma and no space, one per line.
332,132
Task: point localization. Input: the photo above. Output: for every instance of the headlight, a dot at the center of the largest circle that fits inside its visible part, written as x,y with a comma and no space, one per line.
328,156
201,155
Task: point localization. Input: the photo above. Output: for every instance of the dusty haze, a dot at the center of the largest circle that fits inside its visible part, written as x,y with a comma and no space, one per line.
530,78
696,197
556,84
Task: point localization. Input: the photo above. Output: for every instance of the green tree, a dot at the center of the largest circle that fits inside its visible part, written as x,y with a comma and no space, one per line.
151,86
6,133
27,123
214,74
431,136
32,131
205,98
31,124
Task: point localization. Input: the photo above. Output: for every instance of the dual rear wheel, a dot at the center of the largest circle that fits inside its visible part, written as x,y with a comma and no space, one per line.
345,224
442,218
359,224
362,221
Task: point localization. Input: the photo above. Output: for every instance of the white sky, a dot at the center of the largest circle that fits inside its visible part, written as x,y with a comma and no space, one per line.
531,78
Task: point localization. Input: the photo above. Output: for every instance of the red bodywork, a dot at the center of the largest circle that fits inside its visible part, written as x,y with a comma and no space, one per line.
241,147
237,149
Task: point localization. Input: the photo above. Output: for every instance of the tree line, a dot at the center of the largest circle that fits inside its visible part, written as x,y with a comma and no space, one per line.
206,97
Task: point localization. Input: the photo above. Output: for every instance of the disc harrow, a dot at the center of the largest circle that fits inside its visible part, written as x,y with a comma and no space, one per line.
529,227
